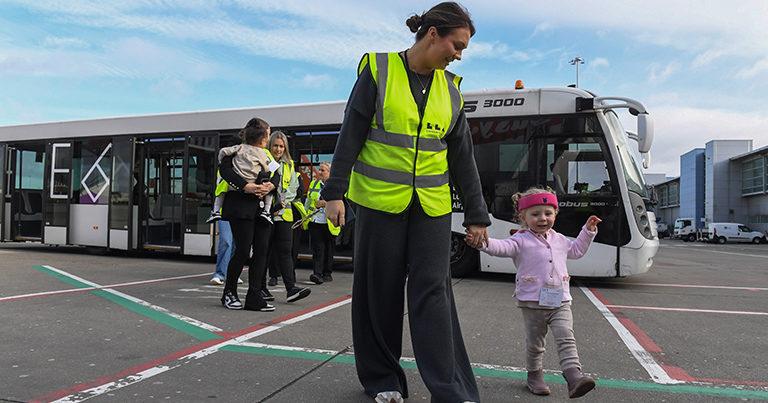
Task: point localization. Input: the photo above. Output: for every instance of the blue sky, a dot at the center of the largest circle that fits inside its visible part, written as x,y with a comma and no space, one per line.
701,68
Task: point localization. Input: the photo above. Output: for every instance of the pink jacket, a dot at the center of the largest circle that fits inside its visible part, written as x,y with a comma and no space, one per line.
537,257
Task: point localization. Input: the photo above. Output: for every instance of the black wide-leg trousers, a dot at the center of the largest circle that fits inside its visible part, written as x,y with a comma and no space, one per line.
388,250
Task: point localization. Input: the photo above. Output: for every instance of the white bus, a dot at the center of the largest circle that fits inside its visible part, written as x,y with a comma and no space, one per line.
145,183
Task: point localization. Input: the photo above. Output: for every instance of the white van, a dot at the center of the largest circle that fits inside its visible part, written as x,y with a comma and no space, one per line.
722,232
684,229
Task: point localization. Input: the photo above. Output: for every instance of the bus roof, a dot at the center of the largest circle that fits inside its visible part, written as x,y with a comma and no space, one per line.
489,102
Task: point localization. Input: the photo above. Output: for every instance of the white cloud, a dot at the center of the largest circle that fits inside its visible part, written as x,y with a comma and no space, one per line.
707,57
750,72
599,62
542,28
64,42
659,73
681,129
316,81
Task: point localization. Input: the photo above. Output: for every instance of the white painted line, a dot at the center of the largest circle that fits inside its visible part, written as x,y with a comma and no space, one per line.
150,372
101,287
656,308
187,319
646,360
717,251
718,287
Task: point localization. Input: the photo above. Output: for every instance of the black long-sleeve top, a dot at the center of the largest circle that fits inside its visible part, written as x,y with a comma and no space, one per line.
358,115
237,203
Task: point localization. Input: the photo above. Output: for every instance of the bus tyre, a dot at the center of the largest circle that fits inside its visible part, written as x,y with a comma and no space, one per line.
721,240
464,259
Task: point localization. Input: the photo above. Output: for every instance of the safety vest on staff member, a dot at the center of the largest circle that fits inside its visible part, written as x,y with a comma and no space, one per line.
406,149
288,174
223,187
313,195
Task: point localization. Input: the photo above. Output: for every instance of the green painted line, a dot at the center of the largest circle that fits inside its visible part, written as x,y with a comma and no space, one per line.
521,375
161,317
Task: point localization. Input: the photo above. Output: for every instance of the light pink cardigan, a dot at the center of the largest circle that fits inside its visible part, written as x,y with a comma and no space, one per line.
536,257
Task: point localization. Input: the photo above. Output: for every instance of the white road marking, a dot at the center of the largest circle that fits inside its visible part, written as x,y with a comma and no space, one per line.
719,287
656,308
718,251
646,360
191,321
150,372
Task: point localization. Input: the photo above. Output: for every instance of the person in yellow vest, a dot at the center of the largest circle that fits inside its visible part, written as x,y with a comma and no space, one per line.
280,244
404,133
322,233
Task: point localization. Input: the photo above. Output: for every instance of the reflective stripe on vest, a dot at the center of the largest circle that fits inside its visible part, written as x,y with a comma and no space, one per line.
405,151
285,179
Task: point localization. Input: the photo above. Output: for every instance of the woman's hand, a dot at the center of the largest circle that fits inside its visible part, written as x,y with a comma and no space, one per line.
334,211
477,236
263,189
250,188
592,222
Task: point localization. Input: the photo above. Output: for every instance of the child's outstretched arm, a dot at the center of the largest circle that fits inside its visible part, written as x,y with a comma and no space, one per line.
580,246
498,247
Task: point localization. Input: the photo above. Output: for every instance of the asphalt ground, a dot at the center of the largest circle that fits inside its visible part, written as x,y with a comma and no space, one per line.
79,325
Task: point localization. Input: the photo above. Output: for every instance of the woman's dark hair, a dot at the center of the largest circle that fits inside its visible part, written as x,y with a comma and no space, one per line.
445,17
255,130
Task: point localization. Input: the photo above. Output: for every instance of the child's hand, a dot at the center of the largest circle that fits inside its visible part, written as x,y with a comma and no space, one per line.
592,222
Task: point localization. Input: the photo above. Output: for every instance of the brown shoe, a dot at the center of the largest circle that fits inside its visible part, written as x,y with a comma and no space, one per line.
536,383
578,383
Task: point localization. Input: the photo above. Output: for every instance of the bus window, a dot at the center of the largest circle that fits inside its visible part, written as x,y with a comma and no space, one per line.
503,161
577,166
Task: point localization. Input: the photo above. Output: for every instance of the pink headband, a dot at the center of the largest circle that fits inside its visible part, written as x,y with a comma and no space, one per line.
537,199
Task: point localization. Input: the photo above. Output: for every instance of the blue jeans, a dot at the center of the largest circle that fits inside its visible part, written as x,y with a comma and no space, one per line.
224,250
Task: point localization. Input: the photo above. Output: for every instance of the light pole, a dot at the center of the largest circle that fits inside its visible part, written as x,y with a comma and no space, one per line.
576,61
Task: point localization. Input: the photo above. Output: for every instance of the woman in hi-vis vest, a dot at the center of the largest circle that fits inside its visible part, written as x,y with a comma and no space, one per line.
404,133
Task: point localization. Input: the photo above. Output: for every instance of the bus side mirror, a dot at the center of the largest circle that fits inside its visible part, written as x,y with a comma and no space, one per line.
644,132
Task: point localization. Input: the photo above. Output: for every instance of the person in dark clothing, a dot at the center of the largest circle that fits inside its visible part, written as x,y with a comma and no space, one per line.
241,209
396,171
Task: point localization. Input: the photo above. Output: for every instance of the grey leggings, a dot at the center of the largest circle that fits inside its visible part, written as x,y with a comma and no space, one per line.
560,320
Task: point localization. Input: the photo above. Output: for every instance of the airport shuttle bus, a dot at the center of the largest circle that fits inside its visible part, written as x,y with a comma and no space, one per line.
145,183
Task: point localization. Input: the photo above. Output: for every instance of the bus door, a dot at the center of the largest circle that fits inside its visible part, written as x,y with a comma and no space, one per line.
58,184
578,167
123,194
25,183
199,186
161,193
4,171
309,148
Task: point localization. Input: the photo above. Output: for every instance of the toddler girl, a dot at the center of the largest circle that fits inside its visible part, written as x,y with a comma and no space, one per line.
542,291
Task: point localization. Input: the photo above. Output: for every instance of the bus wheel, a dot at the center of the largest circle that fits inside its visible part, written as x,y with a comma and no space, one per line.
464,259
721,240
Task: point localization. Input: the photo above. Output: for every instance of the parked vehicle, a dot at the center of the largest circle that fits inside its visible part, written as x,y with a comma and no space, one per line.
723,232
662,229
685,229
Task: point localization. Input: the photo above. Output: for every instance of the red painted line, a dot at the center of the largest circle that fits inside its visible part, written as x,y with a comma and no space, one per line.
645,341
178,354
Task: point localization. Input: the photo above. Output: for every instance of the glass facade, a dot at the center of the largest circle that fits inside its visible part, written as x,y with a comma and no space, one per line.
753,176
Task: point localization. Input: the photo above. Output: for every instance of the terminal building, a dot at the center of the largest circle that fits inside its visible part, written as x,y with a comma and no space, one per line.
726,181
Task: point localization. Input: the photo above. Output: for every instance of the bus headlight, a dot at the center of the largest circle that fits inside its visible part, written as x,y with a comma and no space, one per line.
641,215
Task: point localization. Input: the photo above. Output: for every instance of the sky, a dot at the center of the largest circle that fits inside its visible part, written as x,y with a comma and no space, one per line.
699,67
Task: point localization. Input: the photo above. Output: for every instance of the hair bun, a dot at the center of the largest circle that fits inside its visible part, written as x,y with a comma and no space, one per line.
414,22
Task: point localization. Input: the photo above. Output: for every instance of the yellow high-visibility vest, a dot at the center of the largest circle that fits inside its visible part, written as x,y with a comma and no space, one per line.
404,151
313,195
287,174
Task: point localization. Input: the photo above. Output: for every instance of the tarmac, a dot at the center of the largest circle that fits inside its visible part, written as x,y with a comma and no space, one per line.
80,325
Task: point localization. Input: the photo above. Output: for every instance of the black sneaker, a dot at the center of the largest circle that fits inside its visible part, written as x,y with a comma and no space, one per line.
272,281
265,216
265,308
297,293
327,277
266,295
215,216
230,300
315,279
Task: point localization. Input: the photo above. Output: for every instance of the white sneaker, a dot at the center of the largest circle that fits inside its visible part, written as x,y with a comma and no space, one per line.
217,281
389,397
239,281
